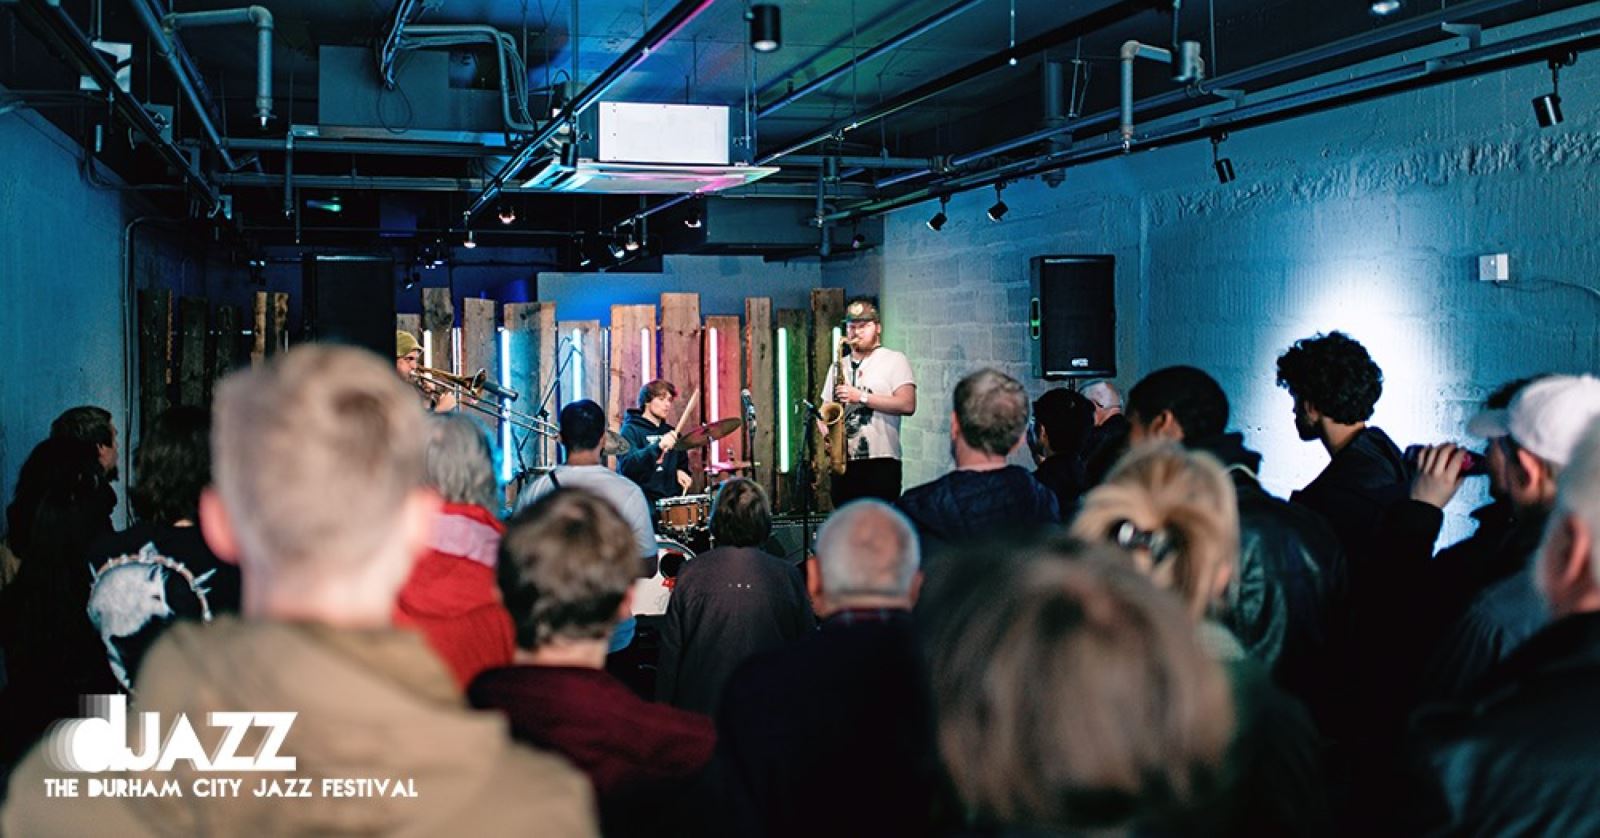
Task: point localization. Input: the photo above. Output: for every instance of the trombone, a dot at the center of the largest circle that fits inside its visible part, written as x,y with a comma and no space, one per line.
468,389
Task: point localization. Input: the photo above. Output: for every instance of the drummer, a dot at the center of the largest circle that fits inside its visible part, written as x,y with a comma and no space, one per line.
583,431
653,463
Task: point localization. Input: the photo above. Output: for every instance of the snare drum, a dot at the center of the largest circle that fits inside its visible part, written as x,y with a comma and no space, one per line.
684,513
650,595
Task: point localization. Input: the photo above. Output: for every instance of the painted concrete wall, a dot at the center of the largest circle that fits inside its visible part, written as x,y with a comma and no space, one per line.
61,301
1368,219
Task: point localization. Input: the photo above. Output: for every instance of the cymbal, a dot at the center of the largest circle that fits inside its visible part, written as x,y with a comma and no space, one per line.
615,445
702,435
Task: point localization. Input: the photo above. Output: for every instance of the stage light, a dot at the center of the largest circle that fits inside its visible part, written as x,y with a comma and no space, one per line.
936,223
584,259
1384,8
1222,165
616,250
631,244
505,424
999,210
470,243
858,241
577,368
1547,108
783,399
508,214
766,30
413,281
694,220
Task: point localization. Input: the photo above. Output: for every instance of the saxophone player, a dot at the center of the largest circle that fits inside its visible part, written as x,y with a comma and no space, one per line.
876,389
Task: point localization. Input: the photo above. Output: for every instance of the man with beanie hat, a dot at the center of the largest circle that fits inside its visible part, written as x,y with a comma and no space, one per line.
408,360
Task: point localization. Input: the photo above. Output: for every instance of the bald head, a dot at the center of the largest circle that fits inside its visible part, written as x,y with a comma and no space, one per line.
867,554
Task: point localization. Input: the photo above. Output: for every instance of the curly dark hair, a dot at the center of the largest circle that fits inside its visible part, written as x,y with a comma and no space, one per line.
171,466
1334,374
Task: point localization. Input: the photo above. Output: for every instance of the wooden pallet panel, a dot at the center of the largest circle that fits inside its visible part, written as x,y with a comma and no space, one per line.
480,338
760,376
192,316
633,358
155,331
531,328
224,346
791,348
260,304
278,324
583,363
409,323
827,313
723,378
438,321
682,361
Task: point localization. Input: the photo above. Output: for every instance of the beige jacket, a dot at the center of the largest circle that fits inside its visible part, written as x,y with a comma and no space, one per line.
371,704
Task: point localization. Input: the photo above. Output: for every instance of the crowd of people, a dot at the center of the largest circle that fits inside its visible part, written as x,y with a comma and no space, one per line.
1132,637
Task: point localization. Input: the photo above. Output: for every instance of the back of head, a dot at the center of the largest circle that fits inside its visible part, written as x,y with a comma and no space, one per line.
867,548
741,515
565,564
461,461
1177,511
314,454
1194,398
1071,694
85,423
61,471
1335,374
1067,417
991,410
583,425
172,466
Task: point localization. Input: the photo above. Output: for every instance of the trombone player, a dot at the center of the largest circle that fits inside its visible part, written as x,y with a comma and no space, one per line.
407,361
877,390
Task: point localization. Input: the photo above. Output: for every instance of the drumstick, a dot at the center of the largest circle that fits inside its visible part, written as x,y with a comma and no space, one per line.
688,411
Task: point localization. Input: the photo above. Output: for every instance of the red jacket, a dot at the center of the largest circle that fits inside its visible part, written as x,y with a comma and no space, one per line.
452,597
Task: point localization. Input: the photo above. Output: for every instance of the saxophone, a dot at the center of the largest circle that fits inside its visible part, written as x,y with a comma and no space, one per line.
833,417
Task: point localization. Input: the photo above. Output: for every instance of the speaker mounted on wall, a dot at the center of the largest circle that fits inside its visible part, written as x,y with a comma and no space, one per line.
1072,317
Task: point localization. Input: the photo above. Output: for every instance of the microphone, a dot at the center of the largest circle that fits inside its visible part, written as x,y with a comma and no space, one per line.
749,408
494,389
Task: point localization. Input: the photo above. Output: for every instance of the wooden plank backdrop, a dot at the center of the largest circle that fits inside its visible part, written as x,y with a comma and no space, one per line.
796,326
681,363
827,312
278,324
532,330
409,323
258,329
724,367
224,346
438,318
155,329
760,376
192,315
583,353
633,358
480,338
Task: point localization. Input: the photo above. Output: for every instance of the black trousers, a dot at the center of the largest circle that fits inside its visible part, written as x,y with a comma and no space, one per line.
878,478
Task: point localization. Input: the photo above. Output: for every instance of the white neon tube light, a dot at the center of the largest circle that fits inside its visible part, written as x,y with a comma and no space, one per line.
783,400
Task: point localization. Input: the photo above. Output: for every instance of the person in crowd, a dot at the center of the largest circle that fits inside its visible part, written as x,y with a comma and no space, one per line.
1062,422
1509,757
567,566
856,689
583,432
1072,696
160,570
985,494
1537,436
1108,441
318,494
93,425
1175,513
408,363
653,460
731,602
877,389
450,595
51,652
1335,385
1287,600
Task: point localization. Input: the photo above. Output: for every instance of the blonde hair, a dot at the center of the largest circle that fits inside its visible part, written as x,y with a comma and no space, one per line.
1185,499
314,454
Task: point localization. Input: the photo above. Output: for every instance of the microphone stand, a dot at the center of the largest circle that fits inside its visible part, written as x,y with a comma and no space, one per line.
804,477
544,401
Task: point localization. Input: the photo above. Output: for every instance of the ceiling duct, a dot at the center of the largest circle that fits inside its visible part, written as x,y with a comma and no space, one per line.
769,227
352,101
636,148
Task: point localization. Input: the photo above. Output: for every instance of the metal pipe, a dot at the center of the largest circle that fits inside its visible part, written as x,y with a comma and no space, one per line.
502,43
917,30
863,161
1131,51
391,42
323,145
1114,13
404,183
675,19
171,54
56,27
256,16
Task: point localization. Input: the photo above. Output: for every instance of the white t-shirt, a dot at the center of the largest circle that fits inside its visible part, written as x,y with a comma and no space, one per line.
622,493
872,433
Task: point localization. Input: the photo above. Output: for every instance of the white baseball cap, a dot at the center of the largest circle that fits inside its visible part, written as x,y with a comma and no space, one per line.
1547,417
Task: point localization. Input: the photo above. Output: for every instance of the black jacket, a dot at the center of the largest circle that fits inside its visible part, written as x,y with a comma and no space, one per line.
1517,756
1064,475
1353,492
657,479
968,505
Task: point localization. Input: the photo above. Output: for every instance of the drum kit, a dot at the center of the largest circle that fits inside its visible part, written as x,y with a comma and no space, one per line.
686,519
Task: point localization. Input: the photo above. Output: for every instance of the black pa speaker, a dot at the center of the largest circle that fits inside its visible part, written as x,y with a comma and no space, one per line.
1072,320
350,300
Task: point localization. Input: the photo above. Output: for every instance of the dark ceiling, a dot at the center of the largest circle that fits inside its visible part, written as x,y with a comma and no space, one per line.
956,110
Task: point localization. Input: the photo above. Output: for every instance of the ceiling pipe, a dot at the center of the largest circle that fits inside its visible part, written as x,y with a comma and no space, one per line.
173,54
1513,52
419,37
256,16
1187,68
863,161
56,28
894,42
1112,14
670,23
1367,40
390,50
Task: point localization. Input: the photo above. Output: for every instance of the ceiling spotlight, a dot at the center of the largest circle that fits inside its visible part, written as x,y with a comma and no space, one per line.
329,204
617,251
508,214
694,220
413,281
631,244
584,259
766,30
1384,8
999,210
1547,108
1222,165
936,223
858,241
470,243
